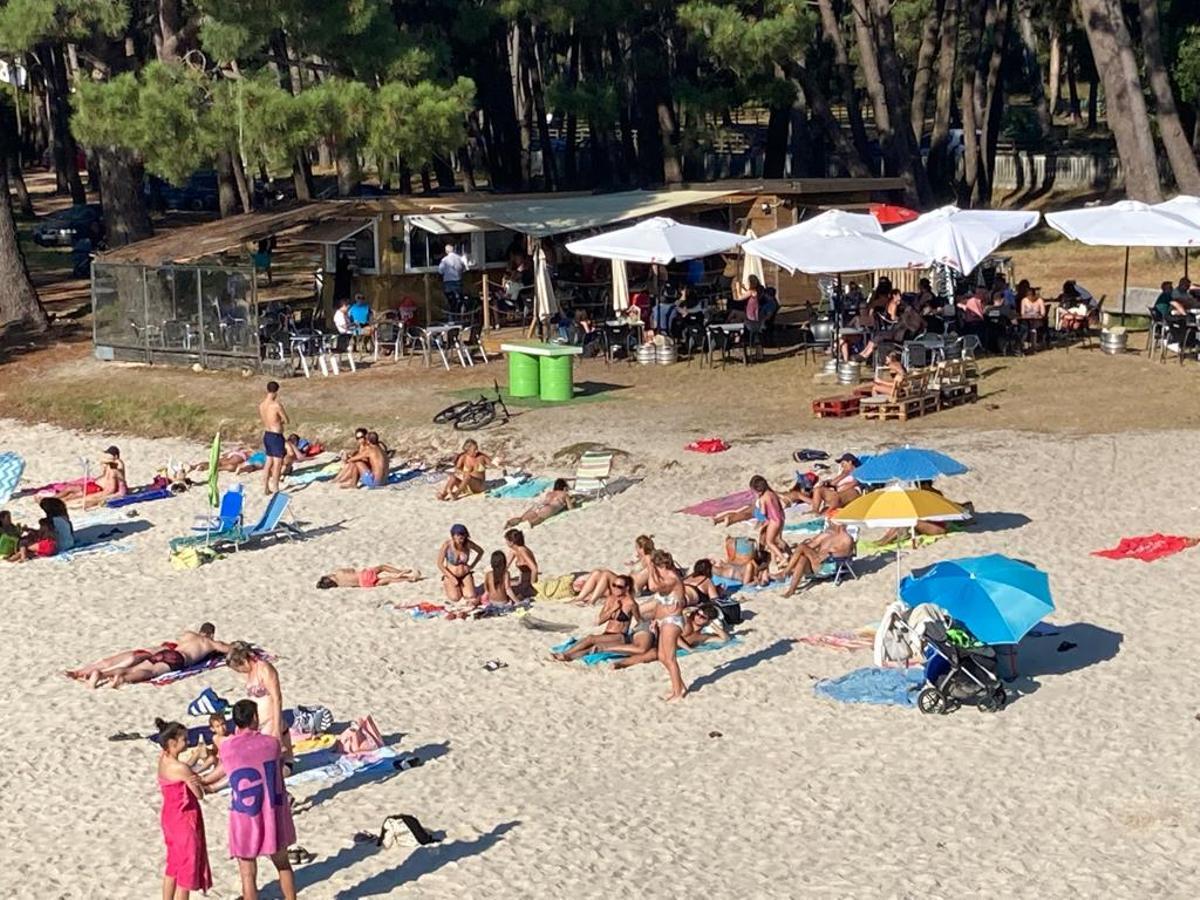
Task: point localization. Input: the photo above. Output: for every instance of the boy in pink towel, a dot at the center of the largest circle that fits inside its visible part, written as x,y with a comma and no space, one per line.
260,819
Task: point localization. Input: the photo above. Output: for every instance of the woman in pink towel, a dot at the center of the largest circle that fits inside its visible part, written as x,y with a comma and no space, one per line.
260,819
182,819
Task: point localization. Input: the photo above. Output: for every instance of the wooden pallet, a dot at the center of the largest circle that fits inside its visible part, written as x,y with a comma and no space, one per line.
901,409
835,407
958,394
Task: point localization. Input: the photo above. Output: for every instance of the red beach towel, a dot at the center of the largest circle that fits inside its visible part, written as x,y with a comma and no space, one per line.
1148,547
708,445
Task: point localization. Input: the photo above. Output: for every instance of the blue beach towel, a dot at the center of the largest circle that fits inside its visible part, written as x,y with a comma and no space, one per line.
100,548
143,496
881,687
811,525
731,586
523,490
603,656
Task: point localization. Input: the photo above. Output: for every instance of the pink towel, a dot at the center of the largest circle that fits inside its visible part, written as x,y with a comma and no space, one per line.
260,820
718,505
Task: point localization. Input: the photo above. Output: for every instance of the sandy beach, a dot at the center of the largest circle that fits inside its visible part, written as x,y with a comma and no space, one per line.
551,780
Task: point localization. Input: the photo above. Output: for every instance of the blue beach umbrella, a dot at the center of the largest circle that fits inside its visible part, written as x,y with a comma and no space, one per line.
997,598
907,464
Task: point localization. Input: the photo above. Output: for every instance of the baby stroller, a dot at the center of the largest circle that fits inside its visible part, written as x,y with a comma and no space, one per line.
954,674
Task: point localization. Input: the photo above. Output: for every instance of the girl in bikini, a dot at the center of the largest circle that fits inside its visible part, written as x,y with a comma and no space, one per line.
620,617
768,510
554,501
699,585
668,601
840,489
522,557
702,623
455,563
372,576
595,585
497,587
756,570
469,475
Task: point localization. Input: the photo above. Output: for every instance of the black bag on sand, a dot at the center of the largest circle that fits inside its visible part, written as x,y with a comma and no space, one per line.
731,612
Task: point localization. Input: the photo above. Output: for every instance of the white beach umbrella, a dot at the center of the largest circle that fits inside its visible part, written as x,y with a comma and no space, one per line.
545,304
1186,207
962,238
834,242
620,286
1128,223
751,264
656,241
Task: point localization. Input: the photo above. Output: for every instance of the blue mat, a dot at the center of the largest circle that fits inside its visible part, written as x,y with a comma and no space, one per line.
603,656
809,525
731,586
142,496
881,687
523,490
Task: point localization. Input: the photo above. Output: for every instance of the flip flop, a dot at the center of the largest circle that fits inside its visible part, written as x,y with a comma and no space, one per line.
298,856
125,736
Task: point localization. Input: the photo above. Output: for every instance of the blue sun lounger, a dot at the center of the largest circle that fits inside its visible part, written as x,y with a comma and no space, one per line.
270,525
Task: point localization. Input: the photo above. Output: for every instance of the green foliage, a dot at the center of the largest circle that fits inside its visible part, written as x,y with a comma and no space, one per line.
1187,65
23,23
746,42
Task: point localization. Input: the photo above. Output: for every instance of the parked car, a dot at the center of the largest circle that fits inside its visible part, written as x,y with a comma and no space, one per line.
65,227
198,192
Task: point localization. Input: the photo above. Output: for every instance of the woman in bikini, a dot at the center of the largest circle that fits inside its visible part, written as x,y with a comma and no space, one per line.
620,617
595,585
372,576
497,586
768,510
262,686
469,475
522,557
554,501
756,570
699,585
702,623
668,602
839,490
455,562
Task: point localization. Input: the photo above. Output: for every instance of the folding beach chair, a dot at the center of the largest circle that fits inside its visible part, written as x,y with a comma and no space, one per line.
270,525
593,473
226,523
837,568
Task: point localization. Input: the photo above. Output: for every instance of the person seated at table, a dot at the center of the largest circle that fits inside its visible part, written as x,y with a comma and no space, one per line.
662,316
1008,297
927,300
360,315
971,308
620,617
469,473
897,322
839,490
887,381
1163,303
746,300
1183,292
554,501
372,576
756,570
1032,304
833,543
1075,304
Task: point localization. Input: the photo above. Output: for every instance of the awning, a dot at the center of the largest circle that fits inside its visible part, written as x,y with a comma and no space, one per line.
333,231
447,223
545,215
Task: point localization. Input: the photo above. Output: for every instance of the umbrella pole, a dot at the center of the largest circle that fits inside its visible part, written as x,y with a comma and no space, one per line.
1125,286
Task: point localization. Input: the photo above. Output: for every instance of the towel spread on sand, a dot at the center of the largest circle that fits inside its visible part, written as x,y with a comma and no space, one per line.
97,548
527,489
140,495
863,639
328,765
316,473
1148,547
215,661
602,656
810,526
717,505
873,548
733,586
881,687
555,587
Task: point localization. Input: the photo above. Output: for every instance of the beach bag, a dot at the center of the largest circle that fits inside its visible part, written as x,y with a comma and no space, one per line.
400,828
312,720
192,557
8,545
362,736
730,612
740,550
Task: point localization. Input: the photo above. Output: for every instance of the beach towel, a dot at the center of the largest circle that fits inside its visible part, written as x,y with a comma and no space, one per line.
863,639
1148,547
881,687
99,548
331,766
140,495
873,548
215,661
528,489
603,656
420,476
260,816
313,474
555,587
708,445
717,505
12,466
733,586
809,526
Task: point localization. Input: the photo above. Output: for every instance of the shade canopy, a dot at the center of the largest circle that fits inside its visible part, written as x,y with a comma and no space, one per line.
907,464
1184,206
751,264
899,507
997,598
1129,223
834,242
962,238
656,241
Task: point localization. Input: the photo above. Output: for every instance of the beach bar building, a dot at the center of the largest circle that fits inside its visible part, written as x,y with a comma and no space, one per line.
197,294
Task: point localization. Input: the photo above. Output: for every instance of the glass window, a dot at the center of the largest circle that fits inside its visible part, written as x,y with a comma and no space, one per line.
424,249
361,250
495,247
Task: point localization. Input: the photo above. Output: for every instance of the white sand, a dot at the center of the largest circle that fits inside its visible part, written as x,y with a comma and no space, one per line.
551,780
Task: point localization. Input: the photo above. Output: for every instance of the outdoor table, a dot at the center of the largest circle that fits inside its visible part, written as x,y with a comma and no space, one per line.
538,369
725,332
615,328
438,334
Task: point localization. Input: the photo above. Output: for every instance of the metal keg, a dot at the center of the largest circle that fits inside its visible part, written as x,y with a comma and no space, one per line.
831,366
667,354
646,354
849,372
1114,342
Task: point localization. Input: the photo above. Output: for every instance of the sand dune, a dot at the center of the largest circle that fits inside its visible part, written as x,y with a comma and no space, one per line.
549,780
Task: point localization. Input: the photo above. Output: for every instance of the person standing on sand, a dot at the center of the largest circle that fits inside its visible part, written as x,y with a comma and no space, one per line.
186,869
260,819
667,619
274,418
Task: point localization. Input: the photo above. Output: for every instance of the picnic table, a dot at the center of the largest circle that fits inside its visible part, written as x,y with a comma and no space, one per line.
539,369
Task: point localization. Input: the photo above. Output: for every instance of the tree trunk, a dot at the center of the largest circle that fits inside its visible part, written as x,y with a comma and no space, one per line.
302,177
1170,129
924,72
822,114
1126,104
1093,104
18,299
10,158
66,151
668,128
1033,66
941,168
802,149
125,216
169,36
531,63
24,201
1054,75
227,192
520,103
832,30
993,102
778,123
623,76
241,183
904,145
1072,86
348,173
868,61
970,69
570,158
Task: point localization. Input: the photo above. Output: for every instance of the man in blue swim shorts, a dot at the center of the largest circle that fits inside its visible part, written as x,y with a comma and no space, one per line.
274,418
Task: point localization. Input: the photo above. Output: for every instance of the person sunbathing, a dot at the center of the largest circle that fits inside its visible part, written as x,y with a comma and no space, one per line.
801,490
620,617
595,585
810,555
840,489
754,571
135,666
238,460
888,381
522,557
702,623
96,492
768,509
454,561
699,584
554,501
469,474
372,576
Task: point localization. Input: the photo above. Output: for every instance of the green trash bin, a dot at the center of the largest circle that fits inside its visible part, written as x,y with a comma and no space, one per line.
558,383
523,377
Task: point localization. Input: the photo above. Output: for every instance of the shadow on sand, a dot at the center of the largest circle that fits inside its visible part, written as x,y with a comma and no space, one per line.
743,663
